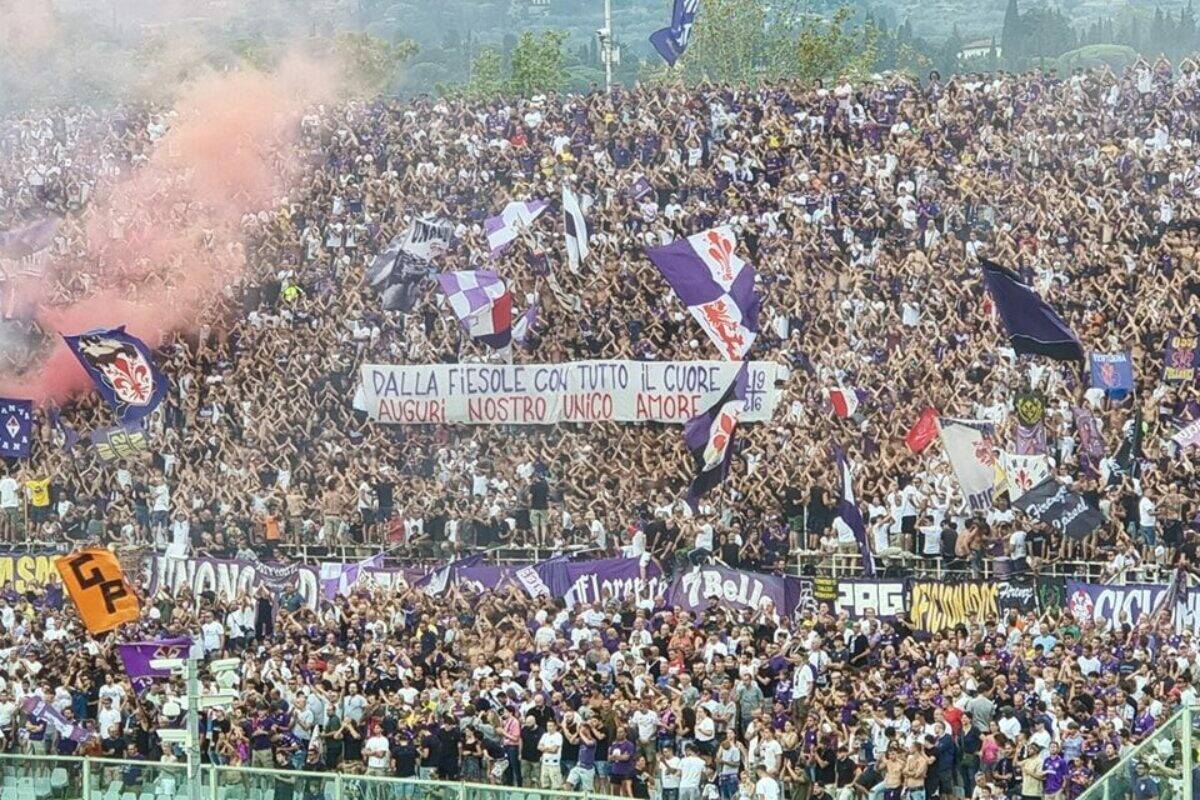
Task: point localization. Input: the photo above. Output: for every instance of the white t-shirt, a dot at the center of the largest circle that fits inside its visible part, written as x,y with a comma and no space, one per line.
375,746
646,723
668,769
1147,517
706,729
1016,541
8,492
691,770
212,632
766,788
550,746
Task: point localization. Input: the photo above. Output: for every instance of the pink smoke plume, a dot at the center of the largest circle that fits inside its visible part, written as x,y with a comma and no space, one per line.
166,241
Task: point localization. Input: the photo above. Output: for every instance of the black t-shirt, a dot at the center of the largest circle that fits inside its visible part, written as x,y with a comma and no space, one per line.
539,495
432,745
542,715
405,754
827,773
114,747
529,743
844,769
450,738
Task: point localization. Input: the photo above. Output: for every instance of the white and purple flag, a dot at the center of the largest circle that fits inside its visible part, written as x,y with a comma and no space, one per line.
524,326
671,41
38,709
709,437
29,245
502,229
715,285
576,227
482,304
848,513
345,576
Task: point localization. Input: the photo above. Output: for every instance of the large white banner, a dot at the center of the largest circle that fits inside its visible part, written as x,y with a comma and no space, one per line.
543,394
971,447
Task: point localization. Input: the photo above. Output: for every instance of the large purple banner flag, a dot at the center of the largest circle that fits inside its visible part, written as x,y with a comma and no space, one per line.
604,579
716,585
38,709
1033,326
716,286
136,656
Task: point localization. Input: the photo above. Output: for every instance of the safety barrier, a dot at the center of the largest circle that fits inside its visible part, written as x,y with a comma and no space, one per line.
1162,766
31,777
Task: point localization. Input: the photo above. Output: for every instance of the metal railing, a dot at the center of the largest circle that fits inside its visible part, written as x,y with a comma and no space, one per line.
1167,758
34,777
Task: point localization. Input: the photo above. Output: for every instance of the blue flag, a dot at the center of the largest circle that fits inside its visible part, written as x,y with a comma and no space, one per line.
709,437
1033,326
123,370
1112,372
670,42
16,427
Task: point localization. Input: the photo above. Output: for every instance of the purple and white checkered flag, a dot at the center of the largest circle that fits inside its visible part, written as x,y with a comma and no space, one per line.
482,304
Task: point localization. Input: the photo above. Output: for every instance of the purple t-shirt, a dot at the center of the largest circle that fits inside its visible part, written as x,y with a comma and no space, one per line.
621,768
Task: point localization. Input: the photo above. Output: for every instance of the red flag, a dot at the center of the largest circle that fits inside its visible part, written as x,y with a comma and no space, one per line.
923,431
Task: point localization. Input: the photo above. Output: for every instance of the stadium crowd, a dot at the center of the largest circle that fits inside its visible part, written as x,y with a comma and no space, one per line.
863,208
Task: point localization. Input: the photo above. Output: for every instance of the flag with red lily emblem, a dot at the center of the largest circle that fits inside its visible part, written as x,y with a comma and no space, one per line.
709,437
123,370
716,286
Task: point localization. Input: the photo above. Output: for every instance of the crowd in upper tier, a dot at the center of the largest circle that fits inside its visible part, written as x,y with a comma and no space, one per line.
864,207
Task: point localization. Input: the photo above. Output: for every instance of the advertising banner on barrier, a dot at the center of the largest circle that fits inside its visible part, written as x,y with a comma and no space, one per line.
545,394
22,571
227,577
1118,605
937,606
859,597
700,588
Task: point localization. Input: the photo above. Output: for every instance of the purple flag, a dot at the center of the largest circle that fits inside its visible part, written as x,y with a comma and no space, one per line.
670,42
709,437
715,285
136,656
38,709
1030,440
599,580
122,367
1033,326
